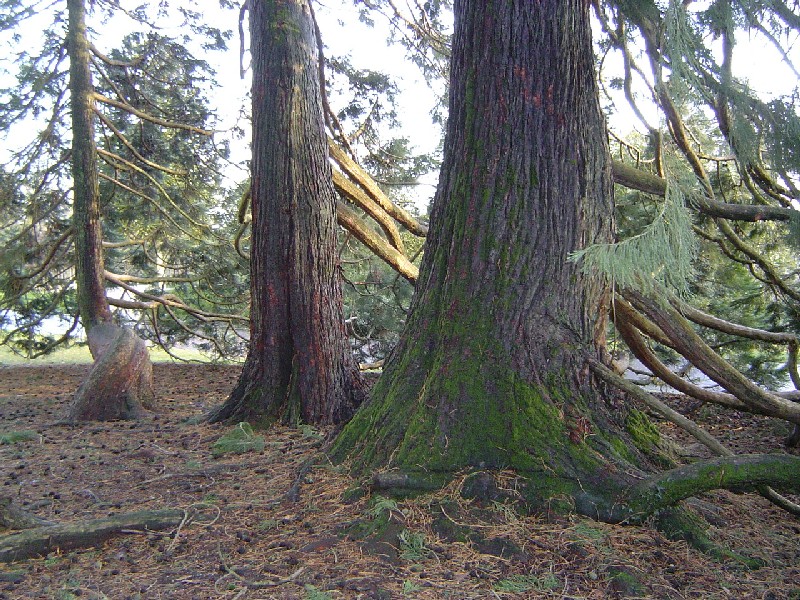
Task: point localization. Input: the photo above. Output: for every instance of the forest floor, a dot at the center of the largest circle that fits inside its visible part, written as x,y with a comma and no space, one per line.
249,541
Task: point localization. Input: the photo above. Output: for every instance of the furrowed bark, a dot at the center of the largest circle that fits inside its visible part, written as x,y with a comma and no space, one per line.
299,365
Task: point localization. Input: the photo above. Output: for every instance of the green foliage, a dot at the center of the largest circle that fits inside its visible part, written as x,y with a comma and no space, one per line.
313,593
15,437
519,584
268,524
409,587
239,440
310,432
382,505
661,256
413,546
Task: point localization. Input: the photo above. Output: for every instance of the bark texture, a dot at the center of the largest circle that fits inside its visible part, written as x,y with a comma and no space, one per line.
120,383
491,372
89,266
299,365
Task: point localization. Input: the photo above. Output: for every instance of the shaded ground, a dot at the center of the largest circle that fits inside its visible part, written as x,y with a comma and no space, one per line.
250,532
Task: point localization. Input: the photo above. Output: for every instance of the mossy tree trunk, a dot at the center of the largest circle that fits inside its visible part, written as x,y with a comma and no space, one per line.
491,371
120,384
299,365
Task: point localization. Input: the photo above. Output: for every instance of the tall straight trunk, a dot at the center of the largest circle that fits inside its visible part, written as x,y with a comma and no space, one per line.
92,302
299,365
120,384
491,371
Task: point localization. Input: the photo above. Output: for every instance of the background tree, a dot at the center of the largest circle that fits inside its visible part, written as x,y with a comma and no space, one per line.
120,385
142,139
299,364
494,369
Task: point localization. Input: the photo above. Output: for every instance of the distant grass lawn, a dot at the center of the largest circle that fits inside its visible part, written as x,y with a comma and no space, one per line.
80,355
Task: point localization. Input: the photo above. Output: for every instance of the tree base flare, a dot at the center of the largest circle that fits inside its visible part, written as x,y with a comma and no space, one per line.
120,384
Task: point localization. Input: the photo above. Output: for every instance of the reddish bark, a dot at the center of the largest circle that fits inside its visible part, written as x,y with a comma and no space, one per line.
299,365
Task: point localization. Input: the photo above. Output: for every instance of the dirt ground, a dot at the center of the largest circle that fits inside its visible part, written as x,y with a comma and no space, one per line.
249,541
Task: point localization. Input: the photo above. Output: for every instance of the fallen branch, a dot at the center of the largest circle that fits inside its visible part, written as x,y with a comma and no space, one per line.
40,541
14,518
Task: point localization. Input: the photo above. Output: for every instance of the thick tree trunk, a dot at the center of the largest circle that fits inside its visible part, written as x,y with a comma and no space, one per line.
299,365
110,391
491,371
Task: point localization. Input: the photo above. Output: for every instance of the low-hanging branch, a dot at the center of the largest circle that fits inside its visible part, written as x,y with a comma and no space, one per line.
745,472
706,320
630,323
648,486
125,244
174,301
164,279
695,349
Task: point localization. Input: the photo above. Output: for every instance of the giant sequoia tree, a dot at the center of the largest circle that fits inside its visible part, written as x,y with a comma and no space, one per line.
496,367
299,365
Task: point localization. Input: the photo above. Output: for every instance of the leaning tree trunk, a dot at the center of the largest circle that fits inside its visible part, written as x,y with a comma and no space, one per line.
120,383
491,370
299,365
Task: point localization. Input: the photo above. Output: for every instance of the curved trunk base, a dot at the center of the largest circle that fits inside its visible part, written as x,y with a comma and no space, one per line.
120,384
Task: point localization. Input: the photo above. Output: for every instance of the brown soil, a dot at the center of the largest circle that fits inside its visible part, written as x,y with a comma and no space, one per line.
251,542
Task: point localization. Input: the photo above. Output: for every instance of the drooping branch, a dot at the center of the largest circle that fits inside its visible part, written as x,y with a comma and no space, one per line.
630,323
695,349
